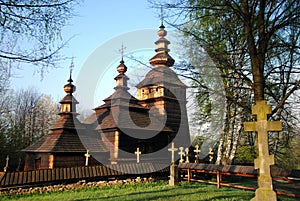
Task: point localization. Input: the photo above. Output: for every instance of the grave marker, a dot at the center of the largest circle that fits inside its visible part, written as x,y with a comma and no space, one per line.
187,155
172,150
137,153
173,181
181,153
211,155
6,165
87,155
264,160
197,151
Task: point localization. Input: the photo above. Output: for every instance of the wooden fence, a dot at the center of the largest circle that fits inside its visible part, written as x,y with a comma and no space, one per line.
239,171
60,175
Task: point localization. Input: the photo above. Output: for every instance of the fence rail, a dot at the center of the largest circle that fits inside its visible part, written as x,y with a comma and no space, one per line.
239,171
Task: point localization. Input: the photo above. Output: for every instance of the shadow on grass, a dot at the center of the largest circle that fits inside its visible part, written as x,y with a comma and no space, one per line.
171,193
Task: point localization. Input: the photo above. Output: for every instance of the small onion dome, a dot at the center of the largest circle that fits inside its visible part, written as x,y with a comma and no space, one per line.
122,68
162,32
69,88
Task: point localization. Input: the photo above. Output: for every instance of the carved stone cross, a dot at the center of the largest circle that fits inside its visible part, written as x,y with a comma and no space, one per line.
181,153
197,151
87,155
264,160
172,150
187,155
137,153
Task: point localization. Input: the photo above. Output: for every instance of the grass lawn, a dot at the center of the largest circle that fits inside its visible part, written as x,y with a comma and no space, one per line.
148,191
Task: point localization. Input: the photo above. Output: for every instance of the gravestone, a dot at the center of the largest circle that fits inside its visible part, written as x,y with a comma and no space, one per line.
264,160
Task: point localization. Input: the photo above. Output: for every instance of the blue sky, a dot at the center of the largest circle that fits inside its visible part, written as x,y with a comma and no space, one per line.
98,23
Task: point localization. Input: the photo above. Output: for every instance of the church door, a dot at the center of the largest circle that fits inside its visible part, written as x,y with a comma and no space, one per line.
37,163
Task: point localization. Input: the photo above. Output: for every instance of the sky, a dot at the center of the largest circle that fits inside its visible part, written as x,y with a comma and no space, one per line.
99,29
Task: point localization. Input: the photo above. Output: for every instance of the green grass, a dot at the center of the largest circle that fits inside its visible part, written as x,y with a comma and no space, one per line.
143,192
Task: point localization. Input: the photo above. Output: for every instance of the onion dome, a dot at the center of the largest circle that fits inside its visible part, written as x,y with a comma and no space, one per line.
121,79
68,103
69,88
162,57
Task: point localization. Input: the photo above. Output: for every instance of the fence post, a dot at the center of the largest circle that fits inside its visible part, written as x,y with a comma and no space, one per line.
189,175
219,179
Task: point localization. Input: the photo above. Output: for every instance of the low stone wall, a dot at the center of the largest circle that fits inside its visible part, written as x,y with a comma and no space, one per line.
79,185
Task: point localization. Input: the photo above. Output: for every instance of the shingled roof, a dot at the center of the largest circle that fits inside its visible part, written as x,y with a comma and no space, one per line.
68,134
161,75
59,140
122,110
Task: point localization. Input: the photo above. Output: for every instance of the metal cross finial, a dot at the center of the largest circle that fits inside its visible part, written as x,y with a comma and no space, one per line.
161,15
137,153
71,69
122,50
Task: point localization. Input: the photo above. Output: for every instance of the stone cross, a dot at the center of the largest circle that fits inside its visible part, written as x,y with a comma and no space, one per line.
87,155
187,155
137,153
264,160
172,150
6,165
181,153
211,155
197,151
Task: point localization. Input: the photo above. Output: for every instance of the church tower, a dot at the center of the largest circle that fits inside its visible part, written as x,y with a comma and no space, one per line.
163,92
63,146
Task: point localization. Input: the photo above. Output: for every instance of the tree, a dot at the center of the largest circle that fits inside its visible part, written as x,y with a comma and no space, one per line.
254,45
30,31
26,116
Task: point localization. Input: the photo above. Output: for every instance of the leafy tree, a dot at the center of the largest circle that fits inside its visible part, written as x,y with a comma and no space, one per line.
255,47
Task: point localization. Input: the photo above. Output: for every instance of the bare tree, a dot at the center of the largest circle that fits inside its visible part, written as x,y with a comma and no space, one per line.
30,31
26,116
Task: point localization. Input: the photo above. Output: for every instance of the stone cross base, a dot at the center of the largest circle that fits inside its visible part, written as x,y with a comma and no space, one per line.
264,194
173,175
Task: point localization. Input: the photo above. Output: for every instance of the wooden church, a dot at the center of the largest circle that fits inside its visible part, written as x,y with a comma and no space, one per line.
123,124
63,146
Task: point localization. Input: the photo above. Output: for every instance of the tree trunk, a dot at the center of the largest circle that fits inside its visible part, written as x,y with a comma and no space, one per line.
256,53
221,139
236,137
